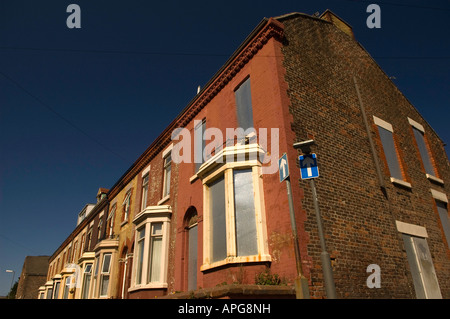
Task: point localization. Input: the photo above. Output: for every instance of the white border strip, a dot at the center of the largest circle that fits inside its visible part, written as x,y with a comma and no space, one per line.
416,125
439,196
411,229
383,124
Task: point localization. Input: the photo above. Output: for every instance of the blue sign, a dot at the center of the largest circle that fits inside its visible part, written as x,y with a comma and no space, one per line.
308,166
283,167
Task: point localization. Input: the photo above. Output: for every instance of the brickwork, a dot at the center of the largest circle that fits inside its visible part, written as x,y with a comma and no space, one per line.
33,276
359,219
304,73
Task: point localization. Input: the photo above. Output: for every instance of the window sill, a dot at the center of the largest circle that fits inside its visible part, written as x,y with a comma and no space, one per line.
237,260
435,179
400,182
193,178
164,199
159,285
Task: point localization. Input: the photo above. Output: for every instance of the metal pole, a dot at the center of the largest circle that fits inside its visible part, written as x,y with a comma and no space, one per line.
12,280
301,283
324,256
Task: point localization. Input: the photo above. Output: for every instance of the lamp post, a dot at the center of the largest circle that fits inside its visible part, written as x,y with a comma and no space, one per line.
12,280
330,287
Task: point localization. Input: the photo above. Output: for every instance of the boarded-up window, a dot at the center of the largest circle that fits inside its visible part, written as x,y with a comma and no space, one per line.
389,151
421,266
199,144
420,139
443,214
218,222
244,109
192,254
244,207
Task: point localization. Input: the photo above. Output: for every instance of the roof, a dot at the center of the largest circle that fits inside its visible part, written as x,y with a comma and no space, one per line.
35,265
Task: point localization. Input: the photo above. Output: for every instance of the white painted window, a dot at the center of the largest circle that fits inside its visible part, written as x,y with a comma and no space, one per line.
66,287
105,275
144,191
87,274
56,294
140,254
167,174
154,264
110,220
126,205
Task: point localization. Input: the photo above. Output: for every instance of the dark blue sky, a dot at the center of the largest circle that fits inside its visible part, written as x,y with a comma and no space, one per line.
79,106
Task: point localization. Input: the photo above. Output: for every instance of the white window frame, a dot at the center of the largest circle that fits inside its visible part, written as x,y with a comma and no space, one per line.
82,243
66,289
139,254
69,254
85,289
144,220
111,216
56,288
99,228
166,194
104,274
261,229
126,204
49,289
144,188
75,251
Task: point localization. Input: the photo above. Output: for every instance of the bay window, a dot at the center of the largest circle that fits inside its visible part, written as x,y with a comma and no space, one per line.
105,263
151,248
234,214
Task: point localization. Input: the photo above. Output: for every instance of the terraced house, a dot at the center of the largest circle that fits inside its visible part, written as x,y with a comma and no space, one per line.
178,224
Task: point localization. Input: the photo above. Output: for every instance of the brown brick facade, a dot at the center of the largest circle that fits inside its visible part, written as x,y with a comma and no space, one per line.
359,218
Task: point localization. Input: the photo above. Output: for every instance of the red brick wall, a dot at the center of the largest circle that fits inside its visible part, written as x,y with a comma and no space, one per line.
270,110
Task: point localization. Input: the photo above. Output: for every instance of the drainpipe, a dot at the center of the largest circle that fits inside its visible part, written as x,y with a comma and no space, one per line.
369,135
